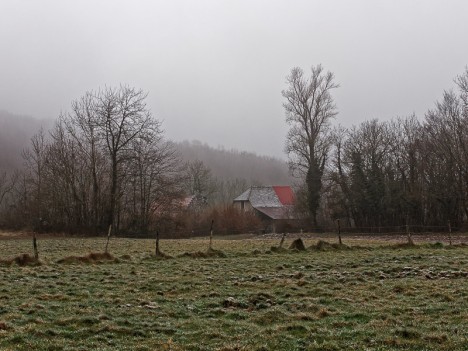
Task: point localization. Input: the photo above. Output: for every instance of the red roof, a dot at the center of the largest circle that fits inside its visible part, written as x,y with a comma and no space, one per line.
285,194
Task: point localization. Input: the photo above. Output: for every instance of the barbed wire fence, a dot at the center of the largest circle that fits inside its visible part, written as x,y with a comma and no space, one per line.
436,233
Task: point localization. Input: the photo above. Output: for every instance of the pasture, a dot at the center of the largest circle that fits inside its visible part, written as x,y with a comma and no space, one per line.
372,296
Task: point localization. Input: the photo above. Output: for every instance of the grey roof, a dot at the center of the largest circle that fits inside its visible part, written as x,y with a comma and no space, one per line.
260,196
264,196
285,212
265,200
244,196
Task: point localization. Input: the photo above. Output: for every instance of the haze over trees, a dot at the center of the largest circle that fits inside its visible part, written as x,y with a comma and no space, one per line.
104,163
404,170
377,174
15,135
232,164
221,175
107,162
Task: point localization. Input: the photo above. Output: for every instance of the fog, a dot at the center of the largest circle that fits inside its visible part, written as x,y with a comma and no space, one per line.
214,70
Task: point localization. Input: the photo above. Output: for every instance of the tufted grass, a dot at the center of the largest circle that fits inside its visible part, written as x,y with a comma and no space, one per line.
244,297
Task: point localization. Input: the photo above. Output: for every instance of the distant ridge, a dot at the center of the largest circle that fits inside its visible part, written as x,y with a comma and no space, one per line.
15,135
16,132
232,164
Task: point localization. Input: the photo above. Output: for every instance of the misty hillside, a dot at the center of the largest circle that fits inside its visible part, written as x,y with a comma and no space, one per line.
232,164
15,134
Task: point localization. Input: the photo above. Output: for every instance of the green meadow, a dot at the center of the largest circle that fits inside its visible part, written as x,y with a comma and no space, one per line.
243,295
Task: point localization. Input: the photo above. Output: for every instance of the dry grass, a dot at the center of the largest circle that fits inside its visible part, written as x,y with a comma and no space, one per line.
204,254
93,257
21,260
297,244
249,297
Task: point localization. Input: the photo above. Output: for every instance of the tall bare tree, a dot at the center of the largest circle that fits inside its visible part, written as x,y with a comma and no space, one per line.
309,107
122,118
83,126
35,158
154,180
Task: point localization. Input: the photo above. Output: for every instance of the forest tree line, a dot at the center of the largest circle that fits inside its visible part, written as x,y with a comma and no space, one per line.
406,171
106,163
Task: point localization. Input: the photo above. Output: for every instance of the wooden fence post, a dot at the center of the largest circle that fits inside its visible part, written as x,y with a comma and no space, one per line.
282,240
108,236
339,232
410,241
450,232
36,252
211,234
157,252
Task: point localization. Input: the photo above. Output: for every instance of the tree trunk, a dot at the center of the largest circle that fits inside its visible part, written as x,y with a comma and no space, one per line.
113,193
314,186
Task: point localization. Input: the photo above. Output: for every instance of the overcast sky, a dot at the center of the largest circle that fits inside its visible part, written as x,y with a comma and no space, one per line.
214,70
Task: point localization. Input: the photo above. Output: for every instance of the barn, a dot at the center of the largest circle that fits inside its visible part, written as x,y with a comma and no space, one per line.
273,204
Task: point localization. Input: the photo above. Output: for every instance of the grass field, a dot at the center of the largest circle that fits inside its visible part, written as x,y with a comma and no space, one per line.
369,298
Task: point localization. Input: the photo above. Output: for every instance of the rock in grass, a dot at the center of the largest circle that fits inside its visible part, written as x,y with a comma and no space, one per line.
230,301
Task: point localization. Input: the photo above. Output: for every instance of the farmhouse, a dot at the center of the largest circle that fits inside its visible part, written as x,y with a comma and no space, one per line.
273,204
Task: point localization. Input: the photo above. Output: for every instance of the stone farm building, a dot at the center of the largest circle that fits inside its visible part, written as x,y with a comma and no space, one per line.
273,204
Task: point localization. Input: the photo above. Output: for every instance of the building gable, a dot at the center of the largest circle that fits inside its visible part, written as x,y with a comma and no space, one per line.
275,202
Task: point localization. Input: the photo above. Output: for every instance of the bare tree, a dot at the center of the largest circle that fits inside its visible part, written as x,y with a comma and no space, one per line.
122,118
309,109
83,126
35,158
462,82
446,142
199,179
229,189
104,164
7,184
154,180
366,153
68,173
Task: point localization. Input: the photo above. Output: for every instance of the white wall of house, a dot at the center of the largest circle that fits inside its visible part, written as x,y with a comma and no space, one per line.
243,205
